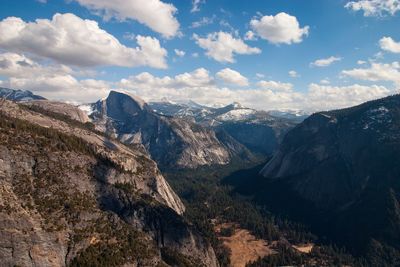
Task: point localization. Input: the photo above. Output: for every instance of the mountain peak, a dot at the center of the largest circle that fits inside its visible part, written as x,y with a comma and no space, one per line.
123,94
237,105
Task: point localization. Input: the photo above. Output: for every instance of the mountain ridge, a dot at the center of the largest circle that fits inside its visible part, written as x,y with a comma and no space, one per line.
343,164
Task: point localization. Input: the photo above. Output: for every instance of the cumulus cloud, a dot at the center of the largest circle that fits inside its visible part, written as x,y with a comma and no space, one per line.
317,97
279,29
376,72
326,97
195,79
179,53
390,45
58,82
71,40
221,46
375,7
325,62
230,76
51,81
293,74
16,65
206,92
273,85
155,14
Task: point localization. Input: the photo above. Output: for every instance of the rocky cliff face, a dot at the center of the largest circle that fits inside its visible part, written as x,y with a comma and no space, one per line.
71,196
172,142
259,131
61,108
344,164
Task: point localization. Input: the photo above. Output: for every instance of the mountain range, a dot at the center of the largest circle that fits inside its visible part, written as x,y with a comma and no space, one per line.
18,95
259,131
85,184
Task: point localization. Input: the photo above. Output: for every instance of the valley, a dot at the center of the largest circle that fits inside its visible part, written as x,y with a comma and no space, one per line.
242,211
199,133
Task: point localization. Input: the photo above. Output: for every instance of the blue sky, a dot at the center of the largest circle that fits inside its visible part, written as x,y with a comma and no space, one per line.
363,65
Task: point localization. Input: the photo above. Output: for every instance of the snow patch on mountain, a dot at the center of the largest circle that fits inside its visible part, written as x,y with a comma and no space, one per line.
236,115
87,108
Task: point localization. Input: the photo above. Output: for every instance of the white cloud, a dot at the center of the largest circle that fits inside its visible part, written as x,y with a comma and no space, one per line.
71,40
260,75
207,92
203,22
16,65
318,97
232,77
155,14
195,79
361,62
250,36
195,55
375,7
388,44
222,46
179,53
51,81
196,5
273,85
57,82
293,74
326,97
325,81
377,72
325,62
281,28
377,56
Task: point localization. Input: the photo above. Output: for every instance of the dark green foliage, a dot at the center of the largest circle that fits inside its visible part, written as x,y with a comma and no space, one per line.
127,246
227,231
176,259
321,256
44,137
126,187
61,117
207,196
285,256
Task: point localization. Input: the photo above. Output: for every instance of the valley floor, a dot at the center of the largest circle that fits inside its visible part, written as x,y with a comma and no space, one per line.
243,233
244,247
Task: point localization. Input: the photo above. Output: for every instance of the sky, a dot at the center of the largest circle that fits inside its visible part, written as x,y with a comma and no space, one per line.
267,54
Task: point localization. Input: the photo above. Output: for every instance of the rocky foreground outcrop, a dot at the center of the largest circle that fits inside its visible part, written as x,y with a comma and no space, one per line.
71,196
